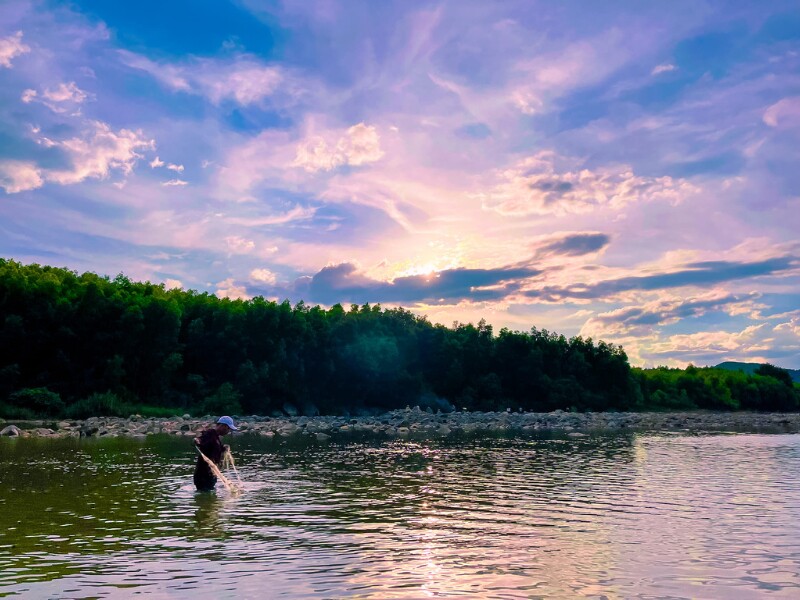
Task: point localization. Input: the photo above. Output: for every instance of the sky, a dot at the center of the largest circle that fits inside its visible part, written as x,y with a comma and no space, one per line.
625,171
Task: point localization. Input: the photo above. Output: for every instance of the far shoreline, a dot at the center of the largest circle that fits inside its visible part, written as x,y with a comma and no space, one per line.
412,423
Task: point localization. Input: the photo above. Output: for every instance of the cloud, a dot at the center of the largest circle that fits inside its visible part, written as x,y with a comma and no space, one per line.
785,113
61,99
173,284
645,319
156,162
99,151
176,168
229,289
699,274
175,183
239,245
360,144
94,155
263,276
10,48
541,185
763,342
571,244
19,176
664,68
243,79
298,213
345,283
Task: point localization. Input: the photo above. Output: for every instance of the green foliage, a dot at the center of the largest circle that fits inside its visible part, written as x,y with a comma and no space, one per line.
106,404
40,401
96,345
226,400
713,389
782,375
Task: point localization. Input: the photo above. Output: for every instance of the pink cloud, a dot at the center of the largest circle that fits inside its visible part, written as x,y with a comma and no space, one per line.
10,48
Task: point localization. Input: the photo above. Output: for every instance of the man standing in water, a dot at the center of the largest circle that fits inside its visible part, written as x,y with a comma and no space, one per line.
209,442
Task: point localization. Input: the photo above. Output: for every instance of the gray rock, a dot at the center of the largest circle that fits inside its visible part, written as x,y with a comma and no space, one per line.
290,409
10,431
323,437
88,430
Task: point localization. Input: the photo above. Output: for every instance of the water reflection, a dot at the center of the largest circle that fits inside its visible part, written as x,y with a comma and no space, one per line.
615,516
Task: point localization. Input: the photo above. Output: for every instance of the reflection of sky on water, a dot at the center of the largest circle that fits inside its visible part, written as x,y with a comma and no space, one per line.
684,516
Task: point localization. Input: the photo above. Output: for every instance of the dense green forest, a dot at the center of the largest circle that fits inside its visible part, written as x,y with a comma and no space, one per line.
81,345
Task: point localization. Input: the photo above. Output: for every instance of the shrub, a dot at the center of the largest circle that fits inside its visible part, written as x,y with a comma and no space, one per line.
225,401
106,404
7,411
40,401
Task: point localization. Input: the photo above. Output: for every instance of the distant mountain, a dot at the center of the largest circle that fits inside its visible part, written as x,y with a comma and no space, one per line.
751,368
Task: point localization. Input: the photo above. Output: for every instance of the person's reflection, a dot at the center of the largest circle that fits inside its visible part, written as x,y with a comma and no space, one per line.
207,515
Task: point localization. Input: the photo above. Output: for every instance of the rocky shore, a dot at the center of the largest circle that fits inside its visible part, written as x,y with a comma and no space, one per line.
414,423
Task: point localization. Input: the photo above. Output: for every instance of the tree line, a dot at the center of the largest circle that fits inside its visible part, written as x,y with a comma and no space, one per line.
82,344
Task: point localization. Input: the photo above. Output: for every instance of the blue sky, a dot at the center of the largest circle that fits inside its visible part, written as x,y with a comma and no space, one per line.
625,171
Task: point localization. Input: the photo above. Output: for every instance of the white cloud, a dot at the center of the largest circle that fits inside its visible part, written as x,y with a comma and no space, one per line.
175,182
156,162
239,245
550,184
264,276
172,284
243,79
247,83
665,68
10,48
98,152
19,176
785,112
229,289
359,145
94,155
65,92
60,99
176,168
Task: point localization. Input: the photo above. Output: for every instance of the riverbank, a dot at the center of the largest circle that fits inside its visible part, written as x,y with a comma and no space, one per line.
414,423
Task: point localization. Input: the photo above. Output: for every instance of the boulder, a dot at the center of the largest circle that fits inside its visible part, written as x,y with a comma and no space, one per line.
10,431
290,409
88,430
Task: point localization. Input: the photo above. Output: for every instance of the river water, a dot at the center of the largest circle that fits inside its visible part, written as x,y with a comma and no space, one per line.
610,516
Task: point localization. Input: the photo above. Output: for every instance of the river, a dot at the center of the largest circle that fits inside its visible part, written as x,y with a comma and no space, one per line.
606,516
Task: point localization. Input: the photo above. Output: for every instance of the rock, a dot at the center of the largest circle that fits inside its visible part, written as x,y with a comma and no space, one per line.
290,409
64,425
186,427
88,430
10,431
187,416
323,437
43,431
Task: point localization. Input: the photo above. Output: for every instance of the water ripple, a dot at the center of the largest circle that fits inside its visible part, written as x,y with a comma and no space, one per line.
610,516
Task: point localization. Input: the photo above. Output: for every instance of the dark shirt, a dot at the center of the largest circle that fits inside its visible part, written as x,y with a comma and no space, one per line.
210,445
